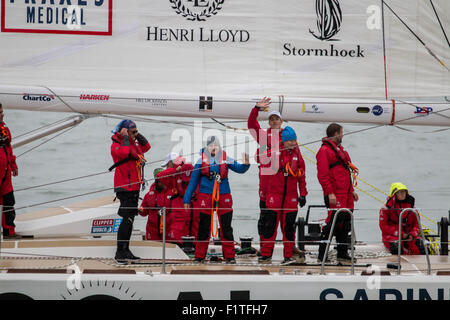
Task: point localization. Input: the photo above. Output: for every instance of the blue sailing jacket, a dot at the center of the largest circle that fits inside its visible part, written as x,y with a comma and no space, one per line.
207,185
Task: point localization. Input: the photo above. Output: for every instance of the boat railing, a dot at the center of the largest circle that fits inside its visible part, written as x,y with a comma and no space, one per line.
425,242
163,213
352,241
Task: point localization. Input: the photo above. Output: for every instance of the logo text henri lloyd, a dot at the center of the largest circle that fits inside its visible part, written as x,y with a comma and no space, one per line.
197,11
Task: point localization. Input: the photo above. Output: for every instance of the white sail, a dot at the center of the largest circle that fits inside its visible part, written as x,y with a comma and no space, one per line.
415,55
182,50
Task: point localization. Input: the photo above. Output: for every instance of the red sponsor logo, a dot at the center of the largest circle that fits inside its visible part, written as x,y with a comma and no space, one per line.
102,97
103,223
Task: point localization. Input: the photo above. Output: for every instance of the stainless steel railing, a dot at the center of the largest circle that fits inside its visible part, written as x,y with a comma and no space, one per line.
352,242
400,240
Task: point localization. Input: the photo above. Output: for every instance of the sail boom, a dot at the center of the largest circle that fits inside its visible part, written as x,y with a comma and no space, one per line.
102,101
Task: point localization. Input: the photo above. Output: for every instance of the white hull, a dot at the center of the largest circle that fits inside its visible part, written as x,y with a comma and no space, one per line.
223,287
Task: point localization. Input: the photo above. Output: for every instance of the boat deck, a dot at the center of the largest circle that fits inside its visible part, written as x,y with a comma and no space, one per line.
60,256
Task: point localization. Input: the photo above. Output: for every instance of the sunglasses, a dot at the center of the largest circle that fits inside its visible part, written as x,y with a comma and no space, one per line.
133,131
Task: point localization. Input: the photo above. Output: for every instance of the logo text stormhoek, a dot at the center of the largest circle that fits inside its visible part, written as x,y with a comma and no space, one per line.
332,51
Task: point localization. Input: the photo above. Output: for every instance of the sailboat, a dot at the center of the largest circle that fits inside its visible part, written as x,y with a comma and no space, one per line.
376,62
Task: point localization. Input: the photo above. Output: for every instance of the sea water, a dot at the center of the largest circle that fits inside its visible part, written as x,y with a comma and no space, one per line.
383,154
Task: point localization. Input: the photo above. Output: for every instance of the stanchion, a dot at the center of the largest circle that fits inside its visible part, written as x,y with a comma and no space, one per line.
164,241
400,240
322,268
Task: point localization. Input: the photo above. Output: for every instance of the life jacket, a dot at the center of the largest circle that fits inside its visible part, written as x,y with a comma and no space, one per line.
223,168
291,165
4,136
4,144
342,160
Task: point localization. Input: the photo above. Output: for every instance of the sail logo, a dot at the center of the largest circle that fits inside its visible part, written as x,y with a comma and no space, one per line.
329,16
98,97
82,17
205,103
377,110
197,10
329,19
311,109
38,97
423,110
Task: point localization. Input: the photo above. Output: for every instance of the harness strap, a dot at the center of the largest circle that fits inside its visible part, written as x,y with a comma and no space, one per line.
214,207
119,163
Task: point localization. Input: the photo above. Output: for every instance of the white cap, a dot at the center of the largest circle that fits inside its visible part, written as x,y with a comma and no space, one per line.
275,112
170,157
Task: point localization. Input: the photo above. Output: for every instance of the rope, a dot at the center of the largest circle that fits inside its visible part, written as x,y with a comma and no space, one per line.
35,147
375,188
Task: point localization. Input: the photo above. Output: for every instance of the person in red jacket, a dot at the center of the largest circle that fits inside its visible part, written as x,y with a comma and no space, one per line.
176,178
282,200
269,144
153,201
8,168
398,200
127,150
334,172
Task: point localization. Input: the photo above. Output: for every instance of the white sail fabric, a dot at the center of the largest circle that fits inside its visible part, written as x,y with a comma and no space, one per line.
322,48
412,70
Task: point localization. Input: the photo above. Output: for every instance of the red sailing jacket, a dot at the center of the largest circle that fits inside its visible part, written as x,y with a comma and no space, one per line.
126,175
332,173
264,152
154,200
263,137
284,184
390,218
176,181
7,161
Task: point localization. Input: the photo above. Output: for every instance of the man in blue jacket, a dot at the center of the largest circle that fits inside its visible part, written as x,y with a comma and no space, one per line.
211,171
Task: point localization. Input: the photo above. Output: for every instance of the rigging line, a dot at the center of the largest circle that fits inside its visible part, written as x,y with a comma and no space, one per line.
439,20
194,153
61,181
384,51
312,142
417,37
153,121
44,126
31,149
229,127
56,95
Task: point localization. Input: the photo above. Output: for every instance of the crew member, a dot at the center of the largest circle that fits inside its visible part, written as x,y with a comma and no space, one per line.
334,171
8,168
151,205
399,200
269,144
176,178
282,200
211,172
127,150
